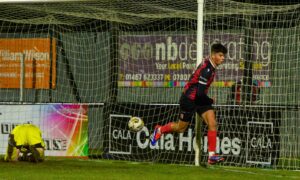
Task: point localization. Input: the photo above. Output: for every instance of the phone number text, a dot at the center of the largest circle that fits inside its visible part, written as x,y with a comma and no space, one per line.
156,77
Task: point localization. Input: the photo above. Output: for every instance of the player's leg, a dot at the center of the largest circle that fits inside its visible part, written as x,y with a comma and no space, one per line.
209,118
178,127
36,144
187,109
41,152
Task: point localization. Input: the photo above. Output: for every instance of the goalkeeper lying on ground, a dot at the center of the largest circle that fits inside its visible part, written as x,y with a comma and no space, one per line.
25,143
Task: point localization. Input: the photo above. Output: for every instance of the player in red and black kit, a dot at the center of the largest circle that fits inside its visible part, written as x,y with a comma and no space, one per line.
194,99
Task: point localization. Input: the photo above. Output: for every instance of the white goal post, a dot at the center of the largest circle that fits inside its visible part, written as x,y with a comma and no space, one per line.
200,14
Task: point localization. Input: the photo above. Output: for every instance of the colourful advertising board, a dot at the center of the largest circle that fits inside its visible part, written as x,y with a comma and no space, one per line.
169,60
64,126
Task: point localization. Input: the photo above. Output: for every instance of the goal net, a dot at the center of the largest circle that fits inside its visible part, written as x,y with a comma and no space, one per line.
92,65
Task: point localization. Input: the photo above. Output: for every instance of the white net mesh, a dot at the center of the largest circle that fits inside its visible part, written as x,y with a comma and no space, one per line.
130,58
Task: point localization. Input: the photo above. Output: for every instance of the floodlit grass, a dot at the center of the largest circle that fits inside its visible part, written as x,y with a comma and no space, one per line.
66,168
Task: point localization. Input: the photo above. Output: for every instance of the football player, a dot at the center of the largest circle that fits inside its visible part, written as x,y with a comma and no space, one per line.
25,143
194,99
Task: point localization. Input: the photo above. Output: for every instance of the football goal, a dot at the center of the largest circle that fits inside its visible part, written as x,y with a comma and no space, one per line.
80,69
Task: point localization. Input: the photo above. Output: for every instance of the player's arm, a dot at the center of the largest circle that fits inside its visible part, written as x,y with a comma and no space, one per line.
202,83
12,153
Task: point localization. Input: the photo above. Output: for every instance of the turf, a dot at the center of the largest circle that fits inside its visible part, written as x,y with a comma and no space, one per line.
64,168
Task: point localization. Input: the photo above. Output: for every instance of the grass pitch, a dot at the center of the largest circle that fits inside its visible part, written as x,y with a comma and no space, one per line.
66,168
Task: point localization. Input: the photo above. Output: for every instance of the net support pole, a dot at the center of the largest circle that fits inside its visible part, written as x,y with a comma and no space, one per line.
199,60
22,77
248,49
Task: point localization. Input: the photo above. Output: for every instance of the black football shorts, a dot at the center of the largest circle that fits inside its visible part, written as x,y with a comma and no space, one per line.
188,108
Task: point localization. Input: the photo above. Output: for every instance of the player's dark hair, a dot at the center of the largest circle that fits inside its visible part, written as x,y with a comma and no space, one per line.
216,48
